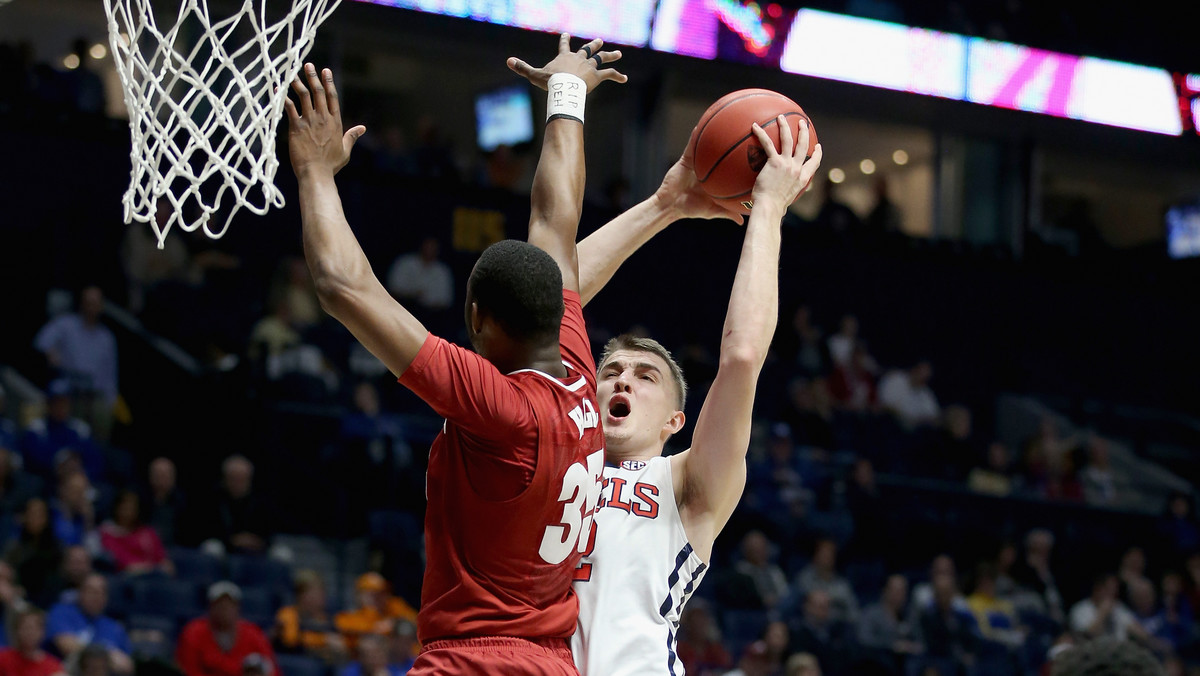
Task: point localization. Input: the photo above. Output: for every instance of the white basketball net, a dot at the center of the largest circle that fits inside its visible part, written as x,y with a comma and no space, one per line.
203,119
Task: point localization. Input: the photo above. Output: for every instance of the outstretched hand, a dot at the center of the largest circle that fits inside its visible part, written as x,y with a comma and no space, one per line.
584,63
315,136
681,191
786,174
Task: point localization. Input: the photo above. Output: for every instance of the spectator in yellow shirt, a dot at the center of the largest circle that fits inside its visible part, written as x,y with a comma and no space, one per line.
306,626
377,613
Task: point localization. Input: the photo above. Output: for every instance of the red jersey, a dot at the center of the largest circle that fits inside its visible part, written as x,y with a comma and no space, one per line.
513,479
13,663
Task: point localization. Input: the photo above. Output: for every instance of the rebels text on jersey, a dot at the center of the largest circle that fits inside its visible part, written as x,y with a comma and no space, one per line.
513,481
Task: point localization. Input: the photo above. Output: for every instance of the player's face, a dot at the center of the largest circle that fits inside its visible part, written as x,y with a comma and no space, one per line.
637,397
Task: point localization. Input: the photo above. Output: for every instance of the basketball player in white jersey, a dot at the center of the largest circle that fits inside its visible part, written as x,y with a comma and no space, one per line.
653,530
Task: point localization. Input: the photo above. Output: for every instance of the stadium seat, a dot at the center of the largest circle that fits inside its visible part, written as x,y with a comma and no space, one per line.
744,626
258,605
195,565
152,636
260,571
156,595
393,530
298,665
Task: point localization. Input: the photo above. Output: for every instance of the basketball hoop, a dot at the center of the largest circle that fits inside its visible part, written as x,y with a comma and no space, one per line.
203,119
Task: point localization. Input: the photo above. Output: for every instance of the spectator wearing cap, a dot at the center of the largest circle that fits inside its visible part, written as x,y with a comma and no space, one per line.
57,430
72,626
218,643
26,657
134,547
83,350
377,611
306,627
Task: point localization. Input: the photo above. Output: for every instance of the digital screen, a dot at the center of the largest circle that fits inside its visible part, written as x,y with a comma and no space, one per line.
626,22
503,117
1183,231
876,53
864,51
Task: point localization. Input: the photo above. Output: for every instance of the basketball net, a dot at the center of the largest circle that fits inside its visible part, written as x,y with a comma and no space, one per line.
203,120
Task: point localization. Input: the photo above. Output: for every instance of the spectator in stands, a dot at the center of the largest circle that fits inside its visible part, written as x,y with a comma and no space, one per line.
775,476
1131,569
377,612
420,278
753,661
1061,482
1033,573
819,632
403,646
295,289
165,503
1006,563
134,547
952,450
8,429
996,476
883,628
1178,524
1044,448
372,659
82,350
72,626
12,598
1103,614
841,344
218,643
946,627
145,265
884,218
777,638
853,383
73,514
922,595
35,552
802,664
94,660
834,215
1162,637
996,617
810,412
434,153
64,584
906,395
273,334
46,437
1106,657
821,575
16,486
806,346
769,583
1099,481
379,433
699,643
306,626
239,519
26,657
867,510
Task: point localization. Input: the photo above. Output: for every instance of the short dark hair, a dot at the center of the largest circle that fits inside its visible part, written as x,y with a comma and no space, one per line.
1107,657
632,343
520,286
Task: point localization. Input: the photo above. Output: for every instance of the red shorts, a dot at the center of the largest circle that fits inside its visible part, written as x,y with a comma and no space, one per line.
495,656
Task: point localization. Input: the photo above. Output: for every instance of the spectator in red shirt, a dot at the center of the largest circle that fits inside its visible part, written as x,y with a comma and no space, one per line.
134,546
699,645
853,381
26,658
216,645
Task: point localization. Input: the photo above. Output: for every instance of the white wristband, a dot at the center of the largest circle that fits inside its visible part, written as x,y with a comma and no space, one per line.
567,93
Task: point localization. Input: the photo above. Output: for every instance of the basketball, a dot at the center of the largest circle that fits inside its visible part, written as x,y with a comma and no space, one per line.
728,157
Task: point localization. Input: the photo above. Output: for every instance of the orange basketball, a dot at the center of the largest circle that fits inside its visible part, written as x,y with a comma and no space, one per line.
728,156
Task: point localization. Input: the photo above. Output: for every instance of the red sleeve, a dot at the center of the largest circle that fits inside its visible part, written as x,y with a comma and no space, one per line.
263,646
186,651
467,390
573,338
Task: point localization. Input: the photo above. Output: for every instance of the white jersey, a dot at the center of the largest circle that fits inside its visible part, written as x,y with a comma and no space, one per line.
638,572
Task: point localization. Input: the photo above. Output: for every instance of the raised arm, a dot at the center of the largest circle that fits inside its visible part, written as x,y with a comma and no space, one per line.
713,471
557,199
680,196
345,284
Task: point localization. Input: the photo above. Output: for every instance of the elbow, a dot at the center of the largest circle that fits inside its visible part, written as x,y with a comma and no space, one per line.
334,293
745,358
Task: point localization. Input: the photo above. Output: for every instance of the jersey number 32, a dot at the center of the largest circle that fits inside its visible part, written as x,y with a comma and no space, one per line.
579,496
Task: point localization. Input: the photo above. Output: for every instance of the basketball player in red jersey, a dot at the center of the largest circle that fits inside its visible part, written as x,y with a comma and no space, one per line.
514,476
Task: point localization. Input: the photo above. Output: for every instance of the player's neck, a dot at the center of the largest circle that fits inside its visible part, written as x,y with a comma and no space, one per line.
621,451
517,357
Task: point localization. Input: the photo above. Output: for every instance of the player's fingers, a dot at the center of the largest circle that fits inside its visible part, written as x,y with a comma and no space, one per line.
812,164
766,142
527,71
292,115
305,105
592,48
331,95
606,57
787,145
802,147
612,74
318,89
564,43
351,136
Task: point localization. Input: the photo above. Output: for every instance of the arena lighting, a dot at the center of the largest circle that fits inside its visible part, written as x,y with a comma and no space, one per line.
863,51
837,175
70,62
867,167
98,51
900,157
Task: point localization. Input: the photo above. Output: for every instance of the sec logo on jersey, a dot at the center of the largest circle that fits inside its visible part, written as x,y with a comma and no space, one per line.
633,464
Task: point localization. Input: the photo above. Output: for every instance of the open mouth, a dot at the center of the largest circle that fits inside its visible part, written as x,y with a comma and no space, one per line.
618,408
